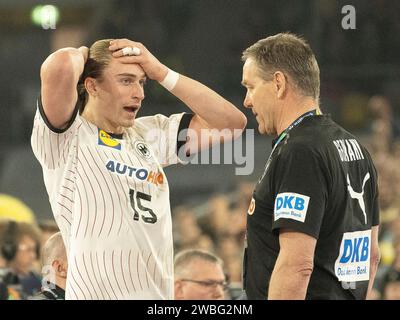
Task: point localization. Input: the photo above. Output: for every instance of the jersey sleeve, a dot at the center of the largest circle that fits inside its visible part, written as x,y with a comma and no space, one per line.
301,191
164,135
50,145
375,206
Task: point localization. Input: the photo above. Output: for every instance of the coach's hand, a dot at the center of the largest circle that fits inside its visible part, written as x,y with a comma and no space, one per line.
153,68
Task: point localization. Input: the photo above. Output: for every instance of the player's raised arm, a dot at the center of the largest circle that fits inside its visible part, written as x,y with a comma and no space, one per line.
59,75
211,110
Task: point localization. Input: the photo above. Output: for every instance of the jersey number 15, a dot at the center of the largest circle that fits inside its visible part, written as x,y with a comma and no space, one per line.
151,218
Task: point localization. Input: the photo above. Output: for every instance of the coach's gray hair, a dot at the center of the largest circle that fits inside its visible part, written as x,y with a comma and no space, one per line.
53,249
291,55
184,258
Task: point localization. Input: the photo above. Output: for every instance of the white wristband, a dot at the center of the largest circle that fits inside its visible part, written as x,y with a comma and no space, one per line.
170,80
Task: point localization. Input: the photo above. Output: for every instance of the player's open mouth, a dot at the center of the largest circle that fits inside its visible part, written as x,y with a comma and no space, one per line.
131,109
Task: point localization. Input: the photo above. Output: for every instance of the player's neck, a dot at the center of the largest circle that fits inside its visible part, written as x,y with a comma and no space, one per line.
99,121
291,112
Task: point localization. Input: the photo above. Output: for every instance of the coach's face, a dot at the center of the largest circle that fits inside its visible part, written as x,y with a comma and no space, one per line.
260,97
119,94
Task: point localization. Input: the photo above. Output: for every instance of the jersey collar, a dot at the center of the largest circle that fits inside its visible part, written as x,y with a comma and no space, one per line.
295,123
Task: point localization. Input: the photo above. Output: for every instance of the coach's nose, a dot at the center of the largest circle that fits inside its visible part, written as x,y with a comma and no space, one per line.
247,101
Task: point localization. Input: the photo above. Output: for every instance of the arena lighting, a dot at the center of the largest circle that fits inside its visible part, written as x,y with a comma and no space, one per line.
45,16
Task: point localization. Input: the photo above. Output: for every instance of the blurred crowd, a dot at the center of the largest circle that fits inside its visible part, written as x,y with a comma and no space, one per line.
384,146
217,226
21,267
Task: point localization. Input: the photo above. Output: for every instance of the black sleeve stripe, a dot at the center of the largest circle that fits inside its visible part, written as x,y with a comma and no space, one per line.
183,125
47,122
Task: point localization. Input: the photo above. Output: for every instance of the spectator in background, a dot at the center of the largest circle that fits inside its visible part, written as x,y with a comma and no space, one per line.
3,262
55,266
382,112
205,243
385,152
3,290
231,253
20,243
186,230
199,275
391,285
217,220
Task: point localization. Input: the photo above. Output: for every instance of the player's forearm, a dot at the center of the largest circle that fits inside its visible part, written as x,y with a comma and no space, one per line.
289,282
216,111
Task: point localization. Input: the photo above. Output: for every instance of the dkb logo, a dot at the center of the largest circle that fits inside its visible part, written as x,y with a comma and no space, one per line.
290,202
352,263
291,206
356,250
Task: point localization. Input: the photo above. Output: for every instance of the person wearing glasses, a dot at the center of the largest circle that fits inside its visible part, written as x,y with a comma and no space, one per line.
19,247
199,275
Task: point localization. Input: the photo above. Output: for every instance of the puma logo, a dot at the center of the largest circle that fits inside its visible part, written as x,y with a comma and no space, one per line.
358,195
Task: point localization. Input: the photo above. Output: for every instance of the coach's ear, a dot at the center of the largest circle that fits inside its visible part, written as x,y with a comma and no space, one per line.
178,288
280,82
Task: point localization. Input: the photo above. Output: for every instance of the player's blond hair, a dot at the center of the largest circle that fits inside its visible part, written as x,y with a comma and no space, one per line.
98,59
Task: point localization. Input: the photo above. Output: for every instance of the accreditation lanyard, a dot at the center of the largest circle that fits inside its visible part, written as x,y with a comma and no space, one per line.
284,134
294,124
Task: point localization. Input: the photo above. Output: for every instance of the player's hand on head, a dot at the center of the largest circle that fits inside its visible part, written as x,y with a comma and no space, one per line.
128,51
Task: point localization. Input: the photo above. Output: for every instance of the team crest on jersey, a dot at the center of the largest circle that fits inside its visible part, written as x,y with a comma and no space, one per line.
106,140
142,149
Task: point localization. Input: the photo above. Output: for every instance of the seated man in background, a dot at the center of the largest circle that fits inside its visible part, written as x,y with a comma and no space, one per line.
55,266
199,275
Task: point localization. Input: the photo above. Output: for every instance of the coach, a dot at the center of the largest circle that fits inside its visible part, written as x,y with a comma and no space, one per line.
312,225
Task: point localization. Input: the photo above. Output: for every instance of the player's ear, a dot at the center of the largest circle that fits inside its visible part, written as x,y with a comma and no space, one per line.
91,86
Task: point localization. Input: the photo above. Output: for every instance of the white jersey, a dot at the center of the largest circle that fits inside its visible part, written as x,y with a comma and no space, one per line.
110,199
